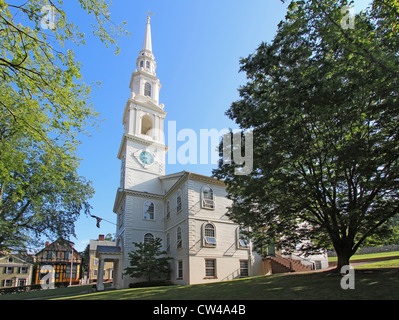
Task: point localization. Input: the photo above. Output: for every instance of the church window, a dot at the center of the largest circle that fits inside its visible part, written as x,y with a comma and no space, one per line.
178,201
242,239
147,89
208,198
210,268
180,269
146,125
148,237
147,64
244,270
168,242
149,210
179,239
168,210
141,64
209,233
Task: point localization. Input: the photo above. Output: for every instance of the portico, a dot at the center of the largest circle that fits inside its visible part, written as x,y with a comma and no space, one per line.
109,254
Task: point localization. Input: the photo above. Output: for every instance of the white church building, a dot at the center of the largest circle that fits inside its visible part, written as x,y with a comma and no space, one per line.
186,210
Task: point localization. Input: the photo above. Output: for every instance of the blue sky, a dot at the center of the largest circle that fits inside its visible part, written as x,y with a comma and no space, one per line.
197,47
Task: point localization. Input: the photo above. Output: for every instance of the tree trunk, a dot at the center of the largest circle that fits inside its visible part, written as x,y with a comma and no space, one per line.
344,253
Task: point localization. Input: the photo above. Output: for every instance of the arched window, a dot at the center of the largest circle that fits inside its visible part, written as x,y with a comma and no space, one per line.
178,238
208,198
149,210
168,210
141,64
148,237
147,89
209,233
147,64
178,201
146,125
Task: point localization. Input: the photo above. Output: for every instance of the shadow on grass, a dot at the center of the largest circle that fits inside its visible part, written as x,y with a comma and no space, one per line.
381,284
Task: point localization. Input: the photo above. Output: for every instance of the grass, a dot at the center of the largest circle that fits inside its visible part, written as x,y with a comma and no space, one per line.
369,284
368,256
377,280
44,294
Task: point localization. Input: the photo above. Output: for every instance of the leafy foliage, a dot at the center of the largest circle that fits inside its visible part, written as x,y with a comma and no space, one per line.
148,261
323,105
44,108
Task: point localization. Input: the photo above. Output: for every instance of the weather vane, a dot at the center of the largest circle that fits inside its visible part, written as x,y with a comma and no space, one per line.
149,14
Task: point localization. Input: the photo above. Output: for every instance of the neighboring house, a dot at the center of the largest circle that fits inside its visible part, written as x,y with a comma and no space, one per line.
58,255
186,210
93,260
15,271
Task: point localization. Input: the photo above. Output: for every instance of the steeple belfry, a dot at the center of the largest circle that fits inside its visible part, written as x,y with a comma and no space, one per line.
144,83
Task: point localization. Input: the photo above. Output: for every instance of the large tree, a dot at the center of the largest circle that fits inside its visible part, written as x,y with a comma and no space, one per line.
44,108
322,101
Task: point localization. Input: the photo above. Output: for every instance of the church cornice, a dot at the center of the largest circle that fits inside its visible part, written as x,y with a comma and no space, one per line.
145,104
139,140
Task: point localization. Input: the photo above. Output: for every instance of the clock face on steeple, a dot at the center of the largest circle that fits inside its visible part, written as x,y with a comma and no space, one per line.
146,158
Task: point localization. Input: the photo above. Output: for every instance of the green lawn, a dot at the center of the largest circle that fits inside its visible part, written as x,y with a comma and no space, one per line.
368,256
369,284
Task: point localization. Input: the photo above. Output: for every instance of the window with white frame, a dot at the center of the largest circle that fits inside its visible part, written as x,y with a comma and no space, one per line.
178,201
242,239
180,269
9,270
179,238
208,198
141,64
148,238
244,271
147,89
149,210
168,210
168,242
209,233
147,64
210,268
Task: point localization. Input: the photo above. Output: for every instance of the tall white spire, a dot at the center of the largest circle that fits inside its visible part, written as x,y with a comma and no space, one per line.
147,45
144,83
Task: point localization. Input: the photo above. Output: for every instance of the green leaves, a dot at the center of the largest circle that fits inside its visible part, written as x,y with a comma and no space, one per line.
44,108
148,261
323,102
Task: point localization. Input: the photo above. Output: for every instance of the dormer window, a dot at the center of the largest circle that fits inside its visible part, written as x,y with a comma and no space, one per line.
147,89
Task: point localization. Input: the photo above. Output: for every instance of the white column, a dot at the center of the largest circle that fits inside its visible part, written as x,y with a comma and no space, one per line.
117,274
100,275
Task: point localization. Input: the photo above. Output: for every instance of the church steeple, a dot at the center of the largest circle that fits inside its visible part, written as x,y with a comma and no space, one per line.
144,84
146,59
143,144
147,45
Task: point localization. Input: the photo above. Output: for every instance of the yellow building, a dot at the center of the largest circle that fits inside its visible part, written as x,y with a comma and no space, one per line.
93,262
14,271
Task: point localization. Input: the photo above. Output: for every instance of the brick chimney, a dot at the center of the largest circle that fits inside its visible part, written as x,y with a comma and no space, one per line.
101,237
